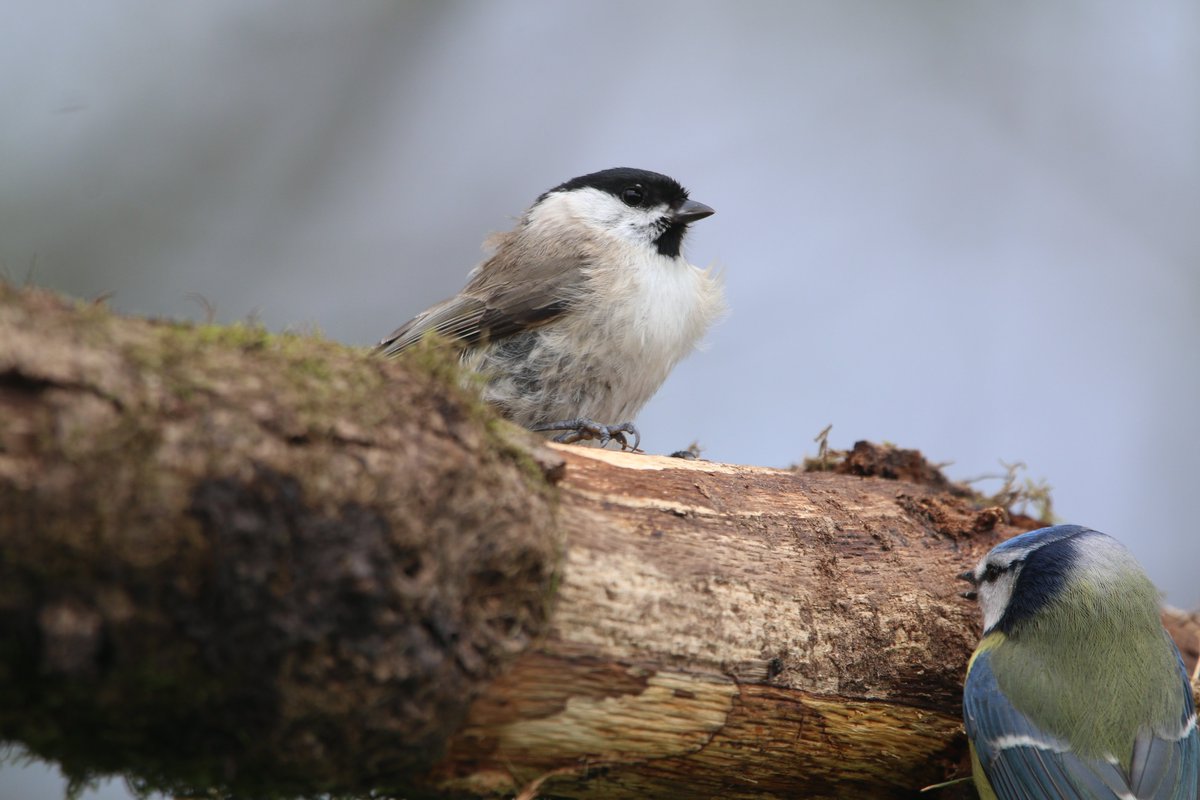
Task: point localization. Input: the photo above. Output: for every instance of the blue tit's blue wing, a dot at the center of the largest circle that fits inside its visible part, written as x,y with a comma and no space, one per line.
1023,762
1168,766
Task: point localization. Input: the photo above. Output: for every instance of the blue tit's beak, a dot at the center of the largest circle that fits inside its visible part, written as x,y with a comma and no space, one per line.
690,211
968,576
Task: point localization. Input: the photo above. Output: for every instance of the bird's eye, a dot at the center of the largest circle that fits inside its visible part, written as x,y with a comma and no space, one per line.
633,196
990,573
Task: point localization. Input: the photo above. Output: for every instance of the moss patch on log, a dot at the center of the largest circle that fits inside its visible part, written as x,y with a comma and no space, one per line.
221,549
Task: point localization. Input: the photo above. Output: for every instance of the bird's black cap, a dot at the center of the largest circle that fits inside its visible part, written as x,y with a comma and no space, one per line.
652,189
658,188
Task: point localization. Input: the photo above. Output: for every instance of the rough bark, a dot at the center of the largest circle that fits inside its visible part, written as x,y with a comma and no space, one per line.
267,562
275,566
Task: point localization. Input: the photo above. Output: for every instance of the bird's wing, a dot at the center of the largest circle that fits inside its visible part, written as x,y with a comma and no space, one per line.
513,291
1161,762
1024,762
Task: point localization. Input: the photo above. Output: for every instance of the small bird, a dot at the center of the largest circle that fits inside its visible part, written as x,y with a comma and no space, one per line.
582,309
1075,690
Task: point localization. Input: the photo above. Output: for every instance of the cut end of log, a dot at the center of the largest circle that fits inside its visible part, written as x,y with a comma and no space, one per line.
232,558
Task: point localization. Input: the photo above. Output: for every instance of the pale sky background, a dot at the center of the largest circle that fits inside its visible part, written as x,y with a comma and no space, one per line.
967,227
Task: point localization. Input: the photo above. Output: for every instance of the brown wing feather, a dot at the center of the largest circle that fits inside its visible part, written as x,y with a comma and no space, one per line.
519,288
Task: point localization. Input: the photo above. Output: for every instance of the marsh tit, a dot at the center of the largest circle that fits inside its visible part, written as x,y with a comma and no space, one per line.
1075,690
583,308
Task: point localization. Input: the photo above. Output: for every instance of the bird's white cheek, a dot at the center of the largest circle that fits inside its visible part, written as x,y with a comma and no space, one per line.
993,598
602,214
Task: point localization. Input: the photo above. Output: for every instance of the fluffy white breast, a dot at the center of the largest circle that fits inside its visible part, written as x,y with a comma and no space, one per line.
654,311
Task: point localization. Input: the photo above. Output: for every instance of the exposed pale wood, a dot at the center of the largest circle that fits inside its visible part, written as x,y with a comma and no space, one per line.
725,631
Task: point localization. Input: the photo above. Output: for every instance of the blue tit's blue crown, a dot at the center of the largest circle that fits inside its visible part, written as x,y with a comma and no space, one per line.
1031,540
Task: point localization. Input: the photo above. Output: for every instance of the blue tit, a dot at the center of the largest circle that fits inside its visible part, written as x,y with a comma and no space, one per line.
1075,690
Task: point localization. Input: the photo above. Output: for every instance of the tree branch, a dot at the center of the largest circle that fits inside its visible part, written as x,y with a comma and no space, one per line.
272,565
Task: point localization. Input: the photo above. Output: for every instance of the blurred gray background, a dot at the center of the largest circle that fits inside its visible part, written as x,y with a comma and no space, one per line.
967,227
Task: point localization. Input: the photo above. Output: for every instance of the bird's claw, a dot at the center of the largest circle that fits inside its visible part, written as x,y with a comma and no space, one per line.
582,429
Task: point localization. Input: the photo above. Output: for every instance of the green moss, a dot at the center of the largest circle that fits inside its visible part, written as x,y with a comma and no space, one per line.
506,438
437,357
241,335
163,714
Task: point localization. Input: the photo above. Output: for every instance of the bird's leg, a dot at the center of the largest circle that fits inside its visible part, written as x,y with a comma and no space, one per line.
581,429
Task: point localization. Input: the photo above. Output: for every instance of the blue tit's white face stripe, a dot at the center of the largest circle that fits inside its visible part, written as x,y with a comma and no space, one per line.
995,590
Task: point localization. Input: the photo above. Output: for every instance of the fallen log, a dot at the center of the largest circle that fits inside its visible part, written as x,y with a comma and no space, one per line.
270,565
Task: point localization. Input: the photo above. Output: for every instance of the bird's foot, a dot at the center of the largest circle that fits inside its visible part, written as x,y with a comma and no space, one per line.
582,429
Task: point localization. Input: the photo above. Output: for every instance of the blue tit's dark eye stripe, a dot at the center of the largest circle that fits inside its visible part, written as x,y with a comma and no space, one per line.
1041,579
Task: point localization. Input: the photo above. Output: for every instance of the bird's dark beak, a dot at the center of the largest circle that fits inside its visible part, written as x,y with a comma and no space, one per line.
690,211
969,577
